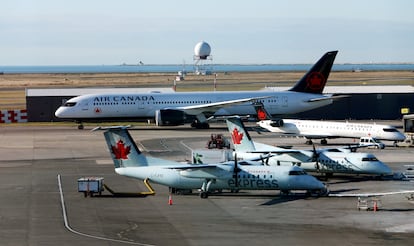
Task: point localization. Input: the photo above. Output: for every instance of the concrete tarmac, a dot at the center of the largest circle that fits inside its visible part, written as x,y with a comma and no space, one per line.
31,214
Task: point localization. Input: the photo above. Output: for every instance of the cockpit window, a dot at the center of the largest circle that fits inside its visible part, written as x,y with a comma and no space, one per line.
69,104
369,159
389,130
297,173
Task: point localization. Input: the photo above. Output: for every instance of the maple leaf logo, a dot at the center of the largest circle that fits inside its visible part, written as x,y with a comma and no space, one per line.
261,114
236,136
98,110
120,150
316,81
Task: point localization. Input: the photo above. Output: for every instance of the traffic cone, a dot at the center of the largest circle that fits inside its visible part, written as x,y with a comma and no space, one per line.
170,202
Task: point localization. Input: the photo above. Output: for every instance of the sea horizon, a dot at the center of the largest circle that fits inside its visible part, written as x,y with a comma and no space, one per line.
212,68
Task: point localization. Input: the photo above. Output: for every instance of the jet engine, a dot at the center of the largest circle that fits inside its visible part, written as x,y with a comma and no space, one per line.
171,117
277,123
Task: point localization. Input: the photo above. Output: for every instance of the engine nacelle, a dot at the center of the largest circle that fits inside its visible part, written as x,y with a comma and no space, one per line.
171,117
277,123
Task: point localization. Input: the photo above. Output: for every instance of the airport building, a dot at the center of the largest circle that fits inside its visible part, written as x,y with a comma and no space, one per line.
365,103
358,102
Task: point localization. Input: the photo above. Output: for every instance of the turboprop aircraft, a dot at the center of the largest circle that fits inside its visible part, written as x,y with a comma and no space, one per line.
178,108
327,161
131,162
316,129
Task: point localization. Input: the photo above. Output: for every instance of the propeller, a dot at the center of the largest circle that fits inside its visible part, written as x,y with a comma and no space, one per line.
315,158
265,159
236,171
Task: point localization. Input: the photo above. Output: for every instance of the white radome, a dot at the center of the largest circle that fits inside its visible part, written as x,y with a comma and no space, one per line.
202,50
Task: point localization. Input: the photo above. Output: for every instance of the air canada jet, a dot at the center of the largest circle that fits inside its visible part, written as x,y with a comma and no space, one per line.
316,129
327,161
131,162
178,108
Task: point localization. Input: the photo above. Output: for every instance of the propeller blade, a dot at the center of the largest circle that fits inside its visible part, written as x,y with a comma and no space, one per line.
267,160
315,158
235,171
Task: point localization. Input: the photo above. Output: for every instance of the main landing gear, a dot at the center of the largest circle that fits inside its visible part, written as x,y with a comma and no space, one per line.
205,188
80,125
200,125
310,142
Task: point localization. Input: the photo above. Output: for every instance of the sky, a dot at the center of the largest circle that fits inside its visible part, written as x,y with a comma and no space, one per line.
109,32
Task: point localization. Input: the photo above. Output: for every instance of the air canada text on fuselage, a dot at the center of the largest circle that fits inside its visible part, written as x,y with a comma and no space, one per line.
132,98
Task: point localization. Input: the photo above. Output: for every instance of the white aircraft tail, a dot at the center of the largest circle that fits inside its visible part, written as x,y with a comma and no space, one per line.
241,139
124,151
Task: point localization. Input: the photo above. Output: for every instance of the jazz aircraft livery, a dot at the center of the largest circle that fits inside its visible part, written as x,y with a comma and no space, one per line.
178,108
327,161
316,129
131,162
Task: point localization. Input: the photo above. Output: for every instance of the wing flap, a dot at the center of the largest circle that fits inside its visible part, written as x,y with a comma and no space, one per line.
331,97
213,172
212,107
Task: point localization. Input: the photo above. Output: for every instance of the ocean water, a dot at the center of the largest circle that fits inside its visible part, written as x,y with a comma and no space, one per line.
189,68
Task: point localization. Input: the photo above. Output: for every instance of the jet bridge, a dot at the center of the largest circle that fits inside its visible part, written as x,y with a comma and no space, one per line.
408,126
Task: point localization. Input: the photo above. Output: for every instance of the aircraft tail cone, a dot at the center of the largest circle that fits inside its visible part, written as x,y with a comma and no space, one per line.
170,201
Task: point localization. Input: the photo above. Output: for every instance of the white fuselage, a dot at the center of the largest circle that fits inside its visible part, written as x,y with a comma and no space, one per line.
330,129
101,106
335,160
249,178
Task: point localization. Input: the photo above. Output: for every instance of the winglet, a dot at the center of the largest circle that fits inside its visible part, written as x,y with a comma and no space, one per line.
261,112
315,79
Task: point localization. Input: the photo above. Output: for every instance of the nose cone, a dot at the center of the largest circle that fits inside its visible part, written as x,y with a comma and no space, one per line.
381,168
63,112
401,137
59,112
306,182
315,183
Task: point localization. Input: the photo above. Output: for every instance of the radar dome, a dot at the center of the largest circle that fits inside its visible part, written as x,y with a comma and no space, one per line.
202,50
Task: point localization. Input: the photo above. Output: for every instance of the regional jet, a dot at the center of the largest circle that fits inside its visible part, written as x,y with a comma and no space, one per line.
178,108
327,161
316,129
131,162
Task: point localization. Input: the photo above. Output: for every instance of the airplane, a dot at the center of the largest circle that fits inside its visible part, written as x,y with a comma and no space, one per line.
131,162
316,129
177,108
327,161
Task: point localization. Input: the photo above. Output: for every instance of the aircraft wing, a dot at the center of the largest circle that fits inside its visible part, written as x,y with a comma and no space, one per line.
370,194
202,171
328,97
192,166
212,107
279,152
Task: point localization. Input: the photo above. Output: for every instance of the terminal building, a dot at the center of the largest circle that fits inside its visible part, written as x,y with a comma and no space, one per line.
358,103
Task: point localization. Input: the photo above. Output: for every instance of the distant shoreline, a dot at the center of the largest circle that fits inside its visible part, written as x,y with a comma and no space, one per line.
212,68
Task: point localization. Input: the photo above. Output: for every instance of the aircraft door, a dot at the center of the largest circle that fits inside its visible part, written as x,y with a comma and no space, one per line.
285,101
85,105
141,104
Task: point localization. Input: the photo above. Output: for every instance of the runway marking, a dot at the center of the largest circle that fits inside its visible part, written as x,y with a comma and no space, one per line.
185,145
401,228
65,220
